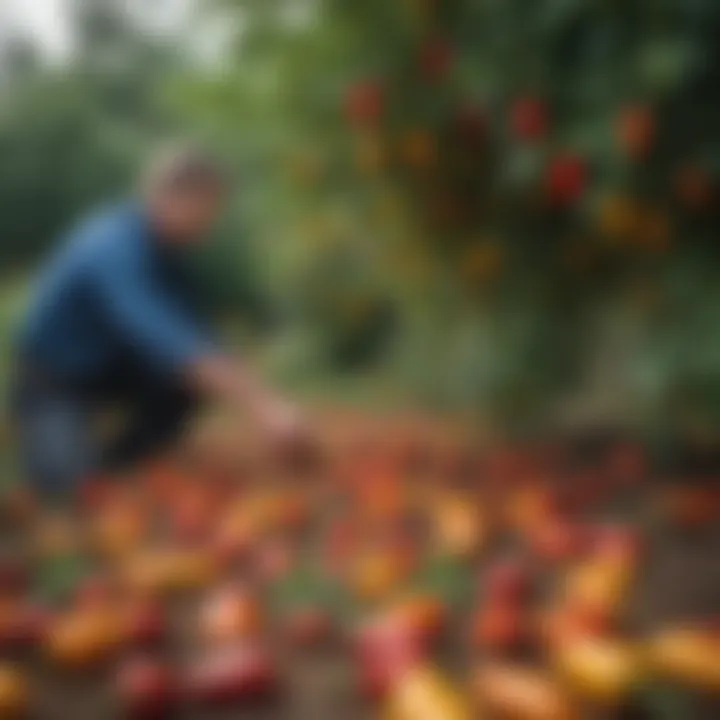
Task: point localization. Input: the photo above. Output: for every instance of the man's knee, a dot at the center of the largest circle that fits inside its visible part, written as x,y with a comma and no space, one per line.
176,405
55,445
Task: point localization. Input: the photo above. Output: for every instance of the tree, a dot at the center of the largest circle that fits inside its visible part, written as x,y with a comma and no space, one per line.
529,179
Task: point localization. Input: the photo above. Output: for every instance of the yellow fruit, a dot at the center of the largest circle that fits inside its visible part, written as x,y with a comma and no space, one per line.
687,655
424,694
598,587
618,218
377,574
419,149
14,693
483,263
601,670
81,639
518,693
168,571
459,526
118,532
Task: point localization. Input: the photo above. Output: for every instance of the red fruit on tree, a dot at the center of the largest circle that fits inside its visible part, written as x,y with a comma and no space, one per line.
365,103
694,187
436,59
637,131
566,180
529,119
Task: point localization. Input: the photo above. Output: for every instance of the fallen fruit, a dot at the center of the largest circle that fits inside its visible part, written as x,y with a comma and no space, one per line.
81,639
424,694
507,581
601,670
239,672
157,573
230,614
687,655
143,622
21,626
146,688
425,615
499,628
385,650
308,627
14,693
519,693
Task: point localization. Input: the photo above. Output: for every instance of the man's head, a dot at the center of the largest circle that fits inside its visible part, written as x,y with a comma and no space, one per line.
184,188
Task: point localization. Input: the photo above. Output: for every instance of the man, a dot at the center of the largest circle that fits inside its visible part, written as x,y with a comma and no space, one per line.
113,325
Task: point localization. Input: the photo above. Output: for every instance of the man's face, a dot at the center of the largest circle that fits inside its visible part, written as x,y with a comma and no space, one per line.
186,217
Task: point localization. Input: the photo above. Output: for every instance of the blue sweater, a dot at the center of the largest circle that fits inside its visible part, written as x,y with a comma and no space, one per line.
113,289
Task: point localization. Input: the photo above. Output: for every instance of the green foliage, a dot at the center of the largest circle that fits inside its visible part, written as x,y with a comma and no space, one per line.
508,205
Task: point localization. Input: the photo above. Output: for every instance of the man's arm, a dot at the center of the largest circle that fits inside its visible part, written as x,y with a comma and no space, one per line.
224,377
170,341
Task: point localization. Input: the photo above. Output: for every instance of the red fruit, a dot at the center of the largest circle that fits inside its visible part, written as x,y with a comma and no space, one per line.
146,688
145,624
341,545
529,119
385,651
273,561
365,103
508,581
436,58
694,187
230,614
616,541
637,132
240,672
21,626
308,627
13,577
566,180
192,518
627,464
97,494
94,592
560,541
499,628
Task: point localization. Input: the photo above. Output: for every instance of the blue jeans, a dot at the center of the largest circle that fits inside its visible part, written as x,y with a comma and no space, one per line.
57,425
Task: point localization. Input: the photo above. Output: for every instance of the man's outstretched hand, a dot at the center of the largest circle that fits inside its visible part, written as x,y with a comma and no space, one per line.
289,434
281,422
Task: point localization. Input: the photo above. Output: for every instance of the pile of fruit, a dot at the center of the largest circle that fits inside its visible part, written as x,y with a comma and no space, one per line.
412,576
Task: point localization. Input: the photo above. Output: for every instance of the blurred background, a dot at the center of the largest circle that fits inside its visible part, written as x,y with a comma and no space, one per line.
492,207
497,210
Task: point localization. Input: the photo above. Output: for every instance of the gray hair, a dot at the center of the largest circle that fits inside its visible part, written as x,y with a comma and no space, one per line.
183,168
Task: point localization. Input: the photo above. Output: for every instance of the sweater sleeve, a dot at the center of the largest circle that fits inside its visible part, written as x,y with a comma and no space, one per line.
145,314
